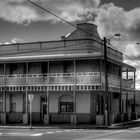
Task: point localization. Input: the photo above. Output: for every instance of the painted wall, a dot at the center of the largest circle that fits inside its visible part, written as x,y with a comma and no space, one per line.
83,102
82,99
35,68
115,104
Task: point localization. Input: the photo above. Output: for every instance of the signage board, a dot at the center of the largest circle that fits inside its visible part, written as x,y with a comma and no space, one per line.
31,96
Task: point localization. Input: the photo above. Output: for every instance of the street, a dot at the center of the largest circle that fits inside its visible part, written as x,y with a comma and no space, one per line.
69,134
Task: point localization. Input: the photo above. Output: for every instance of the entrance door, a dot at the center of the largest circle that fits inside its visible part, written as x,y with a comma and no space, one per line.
43,109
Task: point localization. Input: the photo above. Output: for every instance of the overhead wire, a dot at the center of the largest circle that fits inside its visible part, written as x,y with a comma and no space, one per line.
69,24
125,55
62,19
75,26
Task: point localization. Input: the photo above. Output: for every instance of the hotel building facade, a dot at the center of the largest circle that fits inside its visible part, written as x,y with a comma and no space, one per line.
67,81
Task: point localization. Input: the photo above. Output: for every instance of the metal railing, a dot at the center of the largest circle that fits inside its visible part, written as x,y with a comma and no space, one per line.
82,78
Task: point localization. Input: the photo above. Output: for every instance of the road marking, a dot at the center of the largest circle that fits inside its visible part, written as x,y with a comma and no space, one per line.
21,134
66,130
58,131
49,132
39,134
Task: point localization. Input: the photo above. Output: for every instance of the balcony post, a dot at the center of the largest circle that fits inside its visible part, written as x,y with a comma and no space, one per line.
135,114
134,91
3,115
47,116
25,115
127,102
134,79
101,71
73,116
120,100
127,115
101,83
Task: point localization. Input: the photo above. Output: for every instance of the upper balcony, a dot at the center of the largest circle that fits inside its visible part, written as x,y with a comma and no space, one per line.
62,79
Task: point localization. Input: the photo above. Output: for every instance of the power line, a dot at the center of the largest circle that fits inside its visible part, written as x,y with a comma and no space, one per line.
125,55
74,25
48,11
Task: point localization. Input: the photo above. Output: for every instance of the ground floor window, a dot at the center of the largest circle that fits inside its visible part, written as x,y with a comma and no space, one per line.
66,104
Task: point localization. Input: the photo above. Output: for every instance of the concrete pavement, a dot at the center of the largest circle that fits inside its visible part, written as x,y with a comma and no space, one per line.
123,125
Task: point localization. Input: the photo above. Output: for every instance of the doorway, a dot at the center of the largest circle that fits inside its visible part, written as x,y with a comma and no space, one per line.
43,107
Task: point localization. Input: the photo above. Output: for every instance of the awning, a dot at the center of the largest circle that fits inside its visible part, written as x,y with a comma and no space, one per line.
49,57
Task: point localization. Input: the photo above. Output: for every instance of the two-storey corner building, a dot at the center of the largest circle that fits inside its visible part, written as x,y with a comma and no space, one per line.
67,79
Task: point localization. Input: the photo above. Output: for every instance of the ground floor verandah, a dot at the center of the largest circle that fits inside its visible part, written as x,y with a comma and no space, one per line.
61,107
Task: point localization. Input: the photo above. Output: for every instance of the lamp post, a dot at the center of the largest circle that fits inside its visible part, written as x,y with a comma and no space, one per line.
107,103
30,99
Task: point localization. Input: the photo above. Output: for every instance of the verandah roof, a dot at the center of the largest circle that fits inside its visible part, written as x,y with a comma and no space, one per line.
49,57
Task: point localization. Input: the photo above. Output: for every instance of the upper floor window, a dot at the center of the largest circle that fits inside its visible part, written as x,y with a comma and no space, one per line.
67,67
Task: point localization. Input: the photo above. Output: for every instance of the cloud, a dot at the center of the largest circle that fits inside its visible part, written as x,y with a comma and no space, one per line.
16,40
112,19
23,12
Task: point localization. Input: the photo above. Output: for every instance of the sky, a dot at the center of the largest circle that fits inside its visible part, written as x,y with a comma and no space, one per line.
20,21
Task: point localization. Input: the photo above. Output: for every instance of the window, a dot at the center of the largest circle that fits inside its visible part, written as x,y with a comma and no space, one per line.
67,67
66,104
12,103
1,102
43,98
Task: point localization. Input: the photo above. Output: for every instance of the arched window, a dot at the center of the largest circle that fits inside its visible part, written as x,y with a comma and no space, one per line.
66,103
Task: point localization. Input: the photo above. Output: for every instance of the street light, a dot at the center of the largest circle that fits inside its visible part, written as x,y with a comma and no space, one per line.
107,105
30,99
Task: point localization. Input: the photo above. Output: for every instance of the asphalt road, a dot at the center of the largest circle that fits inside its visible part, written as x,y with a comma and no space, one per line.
69,134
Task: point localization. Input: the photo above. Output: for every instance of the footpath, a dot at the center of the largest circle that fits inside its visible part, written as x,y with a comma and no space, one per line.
122,125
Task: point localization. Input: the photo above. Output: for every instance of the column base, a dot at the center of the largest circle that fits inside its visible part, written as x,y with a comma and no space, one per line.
73,119
46,118
25,118
134,116
100,119
106,118
112,118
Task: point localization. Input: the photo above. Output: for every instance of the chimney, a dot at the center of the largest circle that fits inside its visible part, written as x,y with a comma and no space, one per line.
63,37
88,30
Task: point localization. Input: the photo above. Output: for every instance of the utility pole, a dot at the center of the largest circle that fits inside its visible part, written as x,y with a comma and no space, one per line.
107,103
